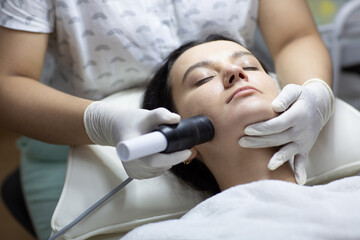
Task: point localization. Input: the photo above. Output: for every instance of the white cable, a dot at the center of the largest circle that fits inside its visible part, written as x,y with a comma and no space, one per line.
90,209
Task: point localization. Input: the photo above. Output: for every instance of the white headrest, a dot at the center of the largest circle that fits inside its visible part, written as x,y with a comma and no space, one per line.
336,152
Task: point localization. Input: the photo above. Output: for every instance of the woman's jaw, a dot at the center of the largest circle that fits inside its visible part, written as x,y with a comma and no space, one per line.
240,165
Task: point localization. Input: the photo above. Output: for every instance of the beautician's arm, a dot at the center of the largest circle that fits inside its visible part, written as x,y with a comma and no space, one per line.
38,111
291,35
28,106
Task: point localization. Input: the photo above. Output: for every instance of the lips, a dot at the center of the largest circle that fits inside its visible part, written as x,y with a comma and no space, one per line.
242,91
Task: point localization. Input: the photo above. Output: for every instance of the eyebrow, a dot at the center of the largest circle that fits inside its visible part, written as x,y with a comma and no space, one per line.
208,63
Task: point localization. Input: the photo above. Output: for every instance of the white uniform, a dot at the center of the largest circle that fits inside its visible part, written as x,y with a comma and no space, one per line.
98,47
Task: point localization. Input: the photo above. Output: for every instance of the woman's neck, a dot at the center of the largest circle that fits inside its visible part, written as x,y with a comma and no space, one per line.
232,168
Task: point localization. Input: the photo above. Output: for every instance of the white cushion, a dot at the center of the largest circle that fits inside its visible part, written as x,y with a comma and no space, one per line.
93,171
336,153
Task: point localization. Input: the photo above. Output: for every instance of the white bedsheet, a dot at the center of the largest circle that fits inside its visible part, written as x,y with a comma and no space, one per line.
268,209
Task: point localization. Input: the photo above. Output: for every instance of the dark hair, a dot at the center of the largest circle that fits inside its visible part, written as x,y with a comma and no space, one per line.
159,94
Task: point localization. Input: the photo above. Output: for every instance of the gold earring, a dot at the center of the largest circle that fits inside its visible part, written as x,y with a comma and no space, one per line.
187,162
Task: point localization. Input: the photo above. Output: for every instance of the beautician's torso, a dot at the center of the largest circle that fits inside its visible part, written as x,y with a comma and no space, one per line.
100,47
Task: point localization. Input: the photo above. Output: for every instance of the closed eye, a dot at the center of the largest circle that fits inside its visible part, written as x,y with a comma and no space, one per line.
250,68
204,80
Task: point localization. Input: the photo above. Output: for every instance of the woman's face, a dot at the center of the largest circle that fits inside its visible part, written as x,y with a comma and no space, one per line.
225,82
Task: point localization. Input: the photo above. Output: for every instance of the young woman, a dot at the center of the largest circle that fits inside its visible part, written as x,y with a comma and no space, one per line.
221,79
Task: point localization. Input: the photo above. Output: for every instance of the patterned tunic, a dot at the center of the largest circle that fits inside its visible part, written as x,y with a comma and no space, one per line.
98,47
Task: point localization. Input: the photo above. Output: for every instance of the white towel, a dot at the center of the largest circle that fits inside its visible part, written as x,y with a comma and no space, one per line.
268,209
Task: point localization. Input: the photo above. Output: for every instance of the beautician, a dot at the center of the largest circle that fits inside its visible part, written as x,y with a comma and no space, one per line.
59,58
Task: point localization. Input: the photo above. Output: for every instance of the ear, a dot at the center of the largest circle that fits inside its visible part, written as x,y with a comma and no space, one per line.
194,153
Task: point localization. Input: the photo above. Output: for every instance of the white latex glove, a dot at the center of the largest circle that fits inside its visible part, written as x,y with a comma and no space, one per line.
108,124
305,110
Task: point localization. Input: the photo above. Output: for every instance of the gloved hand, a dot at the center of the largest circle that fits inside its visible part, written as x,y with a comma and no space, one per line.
305,110
108,124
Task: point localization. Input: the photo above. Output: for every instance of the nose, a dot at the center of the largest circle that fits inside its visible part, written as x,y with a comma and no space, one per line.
234,74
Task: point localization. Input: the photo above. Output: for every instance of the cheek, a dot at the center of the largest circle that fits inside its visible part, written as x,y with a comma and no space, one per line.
204,100
257,110
267,85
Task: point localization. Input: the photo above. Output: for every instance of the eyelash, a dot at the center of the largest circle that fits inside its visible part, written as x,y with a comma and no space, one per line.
250,68
204,80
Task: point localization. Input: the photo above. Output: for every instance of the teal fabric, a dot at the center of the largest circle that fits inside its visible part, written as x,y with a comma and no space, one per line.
42,172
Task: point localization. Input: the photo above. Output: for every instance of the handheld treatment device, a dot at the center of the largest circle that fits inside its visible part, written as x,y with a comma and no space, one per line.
168,138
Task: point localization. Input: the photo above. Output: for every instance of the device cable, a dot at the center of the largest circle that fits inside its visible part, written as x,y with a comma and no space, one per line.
90,209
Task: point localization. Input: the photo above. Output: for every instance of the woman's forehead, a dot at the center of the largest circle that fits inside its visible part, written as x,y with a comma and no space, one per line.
206,51
220,47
